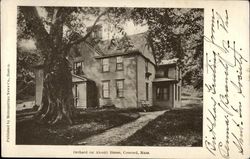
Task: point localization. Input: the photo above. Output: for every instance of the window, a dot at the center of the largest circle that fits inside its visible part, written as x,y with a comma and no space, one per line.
146,66
76,95
120,88
105,89
162,93
146,91
105,65
176,91
179,93
78,66
119,63
179,73
166,72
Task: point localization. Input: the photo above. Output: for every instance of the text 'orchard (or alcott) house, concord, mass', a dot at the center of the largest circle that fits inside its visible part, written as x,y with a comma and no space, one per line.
106,75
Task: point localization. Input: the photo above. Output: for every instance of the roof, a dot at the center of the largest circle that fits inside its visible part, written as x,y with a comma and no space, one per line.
164,80
138,44
103,50
130,52
80,77
119,53
168,62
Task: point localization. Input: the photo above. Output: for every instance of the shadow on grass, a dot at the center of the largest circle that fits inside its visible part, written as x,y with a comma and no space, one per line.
181,127
30,132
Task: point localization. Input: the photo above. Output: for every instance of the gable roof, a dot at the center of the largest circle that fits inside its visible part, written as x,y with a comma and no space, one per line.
130,53
139,44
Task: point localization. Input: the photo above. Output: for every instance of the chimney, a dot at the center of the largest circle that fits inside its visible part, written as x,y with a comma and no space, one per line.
97,32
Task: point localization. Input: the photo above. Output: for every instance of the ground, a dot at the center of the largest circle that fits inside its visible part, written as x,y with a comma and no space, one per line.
134,127
89,123
180,127
117,134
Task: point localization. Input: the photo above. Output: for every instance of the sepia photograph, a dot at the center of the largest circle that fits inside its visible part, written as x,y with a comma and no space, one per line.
109,76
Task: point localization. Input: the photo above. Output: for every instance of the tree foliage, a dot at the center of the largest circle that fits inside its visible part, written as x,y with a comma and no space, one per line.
25,75
175,33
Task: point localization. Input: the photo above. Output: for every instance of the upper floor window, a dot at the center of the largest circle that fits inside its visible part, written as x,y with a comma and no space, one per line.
166,72
179,73
146,66
147,73
78,66
120,88
105,65
119,63
105,89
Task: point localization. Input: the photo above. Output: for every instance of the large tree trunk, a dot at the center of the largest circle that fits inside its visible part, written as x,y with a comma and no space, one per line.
57,96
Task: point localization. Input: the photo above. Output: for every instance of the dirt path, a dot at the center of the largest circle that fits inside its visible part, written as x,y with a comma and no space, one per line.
117,134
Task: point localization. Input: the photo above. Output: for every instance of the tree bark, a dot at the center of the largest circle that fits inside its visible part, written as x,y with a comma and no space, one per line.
57,97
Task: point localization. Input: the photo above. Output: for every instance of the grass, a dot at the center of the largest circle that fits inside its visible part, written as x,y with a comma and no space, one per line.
188,91
29,132
182,127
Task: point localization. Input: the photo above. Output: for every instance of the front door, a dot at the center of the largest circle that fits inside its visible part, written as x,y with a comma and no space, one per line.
79,94
76,95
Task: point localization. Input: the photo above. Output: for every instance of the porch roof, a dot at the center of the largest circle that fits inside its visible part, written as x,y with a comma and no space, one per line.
76,78
164,80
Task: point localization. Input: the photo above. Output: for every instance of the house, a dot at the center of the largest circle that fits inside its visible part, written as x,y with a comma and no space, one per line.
104,76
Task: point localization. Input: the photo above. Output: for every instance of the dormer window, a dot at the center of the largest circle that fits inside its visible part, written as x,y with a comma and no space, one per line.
119,63
78,68
96,33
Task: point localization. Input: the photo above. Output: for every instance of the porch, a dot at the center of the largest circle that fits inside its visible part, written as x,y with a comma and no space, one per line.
166,93
84,92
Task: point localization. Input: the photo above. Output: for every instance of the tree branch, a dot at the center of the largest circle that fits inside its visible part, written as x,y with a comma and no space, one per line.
88,34
34,22
56,30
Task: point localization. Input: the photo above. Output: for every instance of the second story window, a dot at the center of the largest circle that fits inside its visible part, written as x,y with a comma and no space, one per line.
166,72
78,66
105,65
179,74
147,73
119,63
146,66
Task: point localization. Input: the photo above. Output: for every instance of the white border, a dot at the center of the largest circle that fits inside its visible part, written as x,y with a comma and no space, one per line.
8,43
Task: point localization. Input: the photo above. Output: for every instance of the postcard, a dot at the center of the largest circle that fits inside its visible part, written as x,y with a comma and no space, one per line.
125,79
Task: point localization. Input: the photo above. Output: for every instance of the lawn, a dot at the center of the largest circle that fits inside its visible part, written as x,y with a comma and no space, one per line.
180,127
29,132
